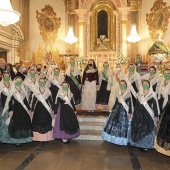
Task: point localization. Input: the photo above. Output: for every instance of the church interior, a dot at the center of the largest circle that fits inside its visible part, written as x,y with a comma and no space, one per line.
112,31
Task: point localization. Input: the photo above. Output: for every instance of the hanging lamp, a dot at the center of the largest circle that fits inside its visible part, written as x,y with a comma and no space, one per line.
133,37
70,38
7,15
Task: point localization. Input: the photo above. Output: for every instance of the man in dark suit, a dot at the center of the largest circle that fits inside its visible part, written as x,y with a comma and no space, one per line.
141,68
19,73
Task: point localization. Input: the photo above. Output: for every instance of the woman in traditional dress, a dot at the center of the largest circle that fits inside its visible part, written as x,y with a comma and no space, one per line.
73,78
42,113
117,128
55,82
154,78
5,96
30,84
51,68
133,82
162,138
105,85
19,120
66,125
118,75
90,85
145,118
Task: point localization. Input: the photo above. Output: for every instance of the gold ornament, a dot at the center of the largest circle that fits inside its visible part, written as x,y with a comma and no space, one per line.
157,20
48,24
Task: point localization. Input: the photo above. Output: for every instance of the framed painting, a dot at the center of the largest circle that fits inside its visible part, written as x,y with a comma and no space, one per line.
48,24
157,20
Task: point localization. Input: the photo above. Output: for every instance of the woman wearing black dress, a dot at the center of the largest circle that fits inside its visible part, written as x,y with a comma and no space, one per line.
66,124
42,111
73,78
162,139
55,81
19,111
105,86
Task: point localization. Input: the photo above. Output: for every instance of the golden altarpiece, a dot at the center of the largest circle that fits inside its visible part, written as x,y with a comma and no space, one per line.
98,26
101,27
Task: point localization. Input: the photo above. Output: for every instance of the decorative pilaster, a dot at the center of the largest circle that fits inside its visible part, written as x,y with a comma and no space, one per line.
88,36
25,30
82,30
124,11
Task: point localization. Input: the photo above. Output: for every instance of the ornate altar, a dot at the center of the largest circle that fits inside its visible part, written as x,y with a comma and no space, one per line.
45,56
103,26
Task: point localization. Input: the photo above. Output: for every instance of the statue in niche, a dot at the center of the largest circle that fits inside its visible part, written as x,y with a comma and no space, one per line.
101,42
102,17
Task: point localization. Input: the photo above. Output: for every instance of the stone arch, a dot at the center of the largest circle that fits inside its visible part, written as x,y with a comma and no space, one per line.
11,39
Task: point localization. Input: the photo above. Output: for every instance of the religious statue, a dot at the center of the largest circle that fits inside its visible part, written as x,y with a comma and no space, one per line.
101,42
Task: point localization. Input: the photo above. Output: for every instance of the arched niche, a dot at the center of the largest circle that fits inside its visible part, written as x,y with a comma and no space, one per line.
103,21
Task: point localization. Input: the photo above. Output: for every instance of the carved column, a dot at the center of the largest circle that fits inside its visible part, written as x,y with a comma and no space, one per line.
88,35
82,30
124,11
25,29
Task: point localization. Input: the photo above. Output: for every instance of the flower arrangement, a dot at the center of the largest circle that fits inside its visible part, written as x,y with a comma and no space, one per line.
121,59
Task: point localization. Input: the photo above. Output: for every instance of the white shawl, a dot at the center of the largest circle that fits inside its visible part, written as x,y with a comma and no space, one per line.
75,73
164,91
143,100
6,92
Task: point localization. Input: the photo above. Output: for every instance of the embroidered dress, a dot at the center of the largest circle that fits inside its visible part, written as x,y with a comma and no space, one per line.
73,78
117,127
5,97
66,124
4,134
143,125
162,137
104,91
90,80
19,129
42,107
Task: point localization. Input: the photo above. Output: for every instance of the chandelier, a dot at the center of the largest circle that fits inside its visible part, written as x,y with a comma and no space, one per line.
70,38
133,37
7,14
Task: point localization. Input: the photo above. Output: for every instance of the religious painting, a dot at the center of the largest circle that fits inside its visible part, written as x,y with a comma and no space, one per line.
157,20
48,24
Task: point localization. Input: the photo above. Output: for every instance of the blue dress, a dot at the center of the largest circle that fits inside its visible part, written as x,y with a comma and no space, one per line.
117,127
142,126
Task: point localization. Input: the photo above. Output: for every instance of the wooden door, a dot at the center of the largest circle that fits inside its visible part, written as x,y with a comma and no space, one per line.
3,55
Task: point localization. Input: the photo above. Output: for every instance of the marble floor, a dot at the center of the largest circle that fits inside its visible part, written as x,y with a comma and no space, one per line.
79,155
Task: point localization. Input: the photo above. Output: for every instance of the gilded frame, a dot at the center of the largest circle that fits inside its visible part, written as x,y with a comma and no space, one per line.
111,25
157,20
48,24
